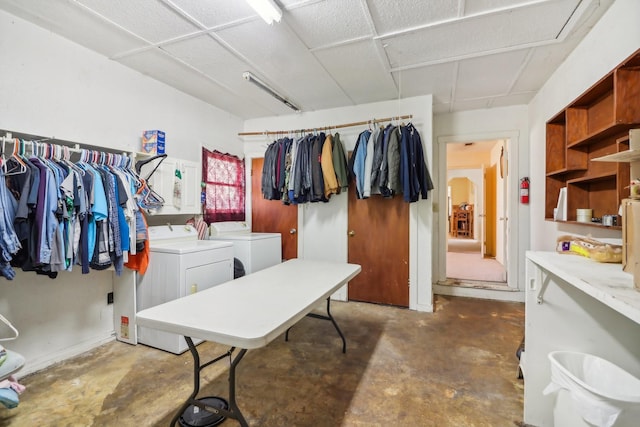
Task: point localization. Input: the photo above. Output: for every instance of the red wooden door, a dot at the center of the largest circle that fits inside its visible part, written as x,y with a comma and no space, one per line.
272,216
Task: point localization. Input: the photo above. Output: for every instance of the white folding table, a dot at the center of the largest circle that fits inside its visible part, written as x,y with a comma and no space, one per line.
248,313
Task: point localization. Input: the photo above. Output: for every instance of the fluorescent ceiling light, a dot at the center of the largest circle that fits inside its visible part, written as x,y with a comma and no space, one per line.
267,9
265,87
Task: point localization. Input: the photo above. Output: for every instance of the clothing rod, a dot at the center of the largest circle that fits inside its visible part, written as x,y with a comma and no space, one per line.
344,125
72,147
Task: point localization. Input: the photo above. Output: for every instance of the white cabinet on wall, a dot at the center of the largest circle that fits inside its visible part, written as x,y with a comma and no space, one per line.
163,180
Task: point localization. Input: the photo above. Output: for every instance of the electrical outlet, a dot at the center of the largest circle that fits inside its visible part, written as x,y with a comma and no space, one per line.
110,298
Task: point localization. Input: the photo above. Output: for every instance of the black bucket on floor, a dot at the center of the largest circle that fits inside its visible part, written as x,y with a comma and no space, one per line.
238,268
193,416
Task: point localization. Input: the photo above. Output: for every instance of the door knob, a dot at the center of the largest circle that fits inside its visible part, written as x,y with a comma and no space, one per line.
352,233
293,231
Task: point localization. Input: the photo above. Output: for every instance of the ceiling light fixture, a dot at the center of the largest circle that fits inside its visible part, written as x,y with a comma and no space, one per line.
265,87
267,9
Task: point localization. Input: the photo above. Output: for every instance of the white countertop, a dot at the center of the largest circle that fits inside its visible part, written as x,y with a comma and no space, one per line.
603,281
251,311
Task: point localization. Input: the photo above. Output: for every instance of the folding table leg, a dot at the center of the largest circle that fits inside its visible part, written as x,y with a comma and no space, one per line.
327,317
234,411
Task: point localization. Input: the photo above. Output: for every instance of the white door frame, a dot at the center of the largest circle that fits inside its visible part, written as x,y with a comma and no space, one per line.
512,236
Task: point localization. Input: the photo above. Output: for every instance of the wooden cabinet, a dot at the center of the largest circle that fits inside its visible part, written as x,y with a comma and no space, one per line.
594,125
462,222
162,182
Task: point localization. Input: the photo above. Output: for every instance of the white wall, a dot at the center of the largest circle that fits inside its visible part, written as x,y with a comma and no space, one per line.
497,123
52,87
615,37
323,229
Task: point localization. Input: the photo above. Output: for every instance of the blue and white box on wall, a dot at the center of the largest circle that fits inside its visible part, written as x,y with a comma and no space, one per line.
153,142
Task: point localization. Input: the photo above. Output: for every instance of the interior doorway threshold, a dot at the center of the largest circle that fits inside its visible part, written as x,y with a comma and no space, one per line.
483,290
476,284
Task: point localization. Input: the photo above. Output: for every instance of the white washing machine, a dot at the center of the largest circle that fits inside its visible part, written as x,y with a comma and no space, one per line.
256,251
179,265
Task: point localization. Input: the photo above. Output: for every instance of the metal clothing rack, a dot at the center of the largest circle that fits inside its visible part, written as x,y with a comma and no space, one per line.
344,125
52,147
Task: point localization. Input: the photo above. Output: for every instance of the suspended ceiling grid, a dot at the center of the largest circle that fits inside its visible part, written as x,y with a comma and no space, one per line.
470,54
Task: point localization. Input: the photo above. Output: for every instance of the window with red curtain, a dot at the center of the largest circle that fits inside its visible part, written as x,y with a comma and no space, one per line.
223,175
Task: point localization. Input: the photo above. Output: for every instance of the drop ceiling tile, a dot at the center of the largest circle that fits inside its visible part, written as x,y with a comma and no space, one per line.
424,42
211,58
440,108
521,98
488,75
285,63
481,35
472,104
213,13
362,76
483,6
162,67
323,23
540,67
391,15
434,79
74,23
152,20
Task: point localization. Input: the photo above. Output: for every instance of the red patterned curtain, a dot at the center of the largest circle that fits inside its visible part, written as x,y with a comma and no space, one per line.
223,175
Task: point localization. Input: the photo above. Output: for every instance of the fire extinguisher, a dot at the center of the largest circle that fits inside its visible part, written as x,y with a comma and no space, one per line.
524,191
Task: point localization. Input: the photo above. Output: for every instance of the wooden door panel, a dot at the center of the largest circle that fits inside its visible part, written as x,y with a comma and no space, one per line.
490,218
379,242
272,216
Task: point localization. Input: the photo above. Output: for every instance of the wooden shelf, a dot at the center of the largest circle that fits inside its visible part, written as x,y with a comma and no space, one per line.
588,224
594,178
462,222
587,145
609,130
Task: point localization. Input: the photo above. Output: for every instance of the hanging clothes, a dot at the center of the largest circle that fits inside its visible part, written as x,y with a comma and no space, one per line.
328,171
416,177
377,160
315,159
360,154
386,160
302,172
9,242
57,214
397,162
340,165
368,164
269,181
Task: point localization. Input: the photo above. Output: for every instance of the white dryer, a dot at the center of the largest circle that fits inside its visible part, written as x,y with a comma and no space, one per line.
256,251
179,265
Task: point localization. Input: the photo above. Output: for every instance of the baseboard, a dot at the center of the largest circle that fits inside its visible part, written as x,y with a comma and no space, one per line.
482,292
40,363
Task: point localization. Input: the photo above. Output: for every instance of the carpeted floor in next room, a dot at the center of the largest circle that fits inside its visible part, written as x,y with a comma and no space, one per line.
465,262
455,367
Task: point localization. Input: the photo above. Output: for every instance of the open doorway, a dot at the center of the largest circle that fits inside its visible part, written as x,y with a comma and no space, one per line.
476,214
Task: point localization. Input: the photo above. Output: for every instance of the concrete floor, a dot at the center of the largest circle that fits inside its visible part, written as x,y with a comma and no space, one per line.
455,367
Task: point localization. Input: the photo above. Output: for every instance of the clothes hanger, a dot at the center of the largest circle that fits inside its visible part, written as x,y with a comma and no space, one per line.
3,162
141,163
21,166
66,160
15,331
